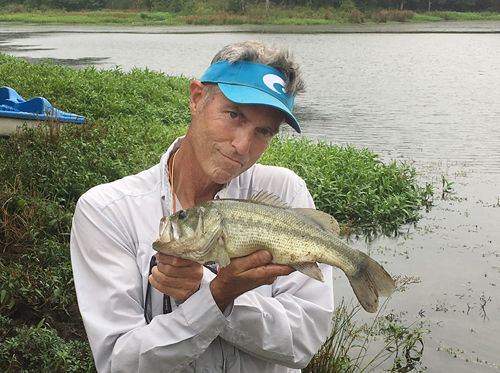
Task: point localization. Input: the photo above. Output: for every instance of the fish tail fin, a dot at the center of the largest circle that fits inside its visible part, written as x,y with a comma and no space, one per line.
369,282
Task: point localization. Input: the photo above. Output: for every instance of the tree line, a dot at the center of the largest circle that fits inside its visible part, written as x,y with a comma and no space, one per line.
177,6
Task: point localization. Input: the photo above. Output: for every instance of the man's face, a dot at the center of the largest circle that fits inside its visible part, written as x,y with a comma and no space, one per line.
228,138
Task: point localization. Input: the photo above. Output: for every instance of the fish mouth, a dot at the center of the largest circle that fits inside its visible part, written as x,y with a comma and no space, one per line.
169,234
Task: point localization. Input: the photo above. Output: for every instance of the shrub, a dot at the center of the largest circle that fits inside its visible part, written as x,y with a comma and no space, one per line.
347,6
39,349
384,16
356,17
13,8
352,184
400,15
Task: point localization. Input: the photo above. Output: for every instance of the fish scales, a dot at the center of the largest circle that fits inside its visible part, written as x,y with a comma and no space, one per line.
289,241
216,231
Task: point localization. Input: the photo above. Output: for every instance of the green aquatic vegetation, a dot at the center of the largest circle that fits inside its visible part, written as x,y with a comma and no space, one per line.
467,356
447,187
100,94
385,343
352,184
133,117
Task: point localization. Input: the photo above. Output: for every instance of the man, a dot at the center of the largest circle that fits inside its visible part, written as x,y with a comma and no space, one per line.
177,315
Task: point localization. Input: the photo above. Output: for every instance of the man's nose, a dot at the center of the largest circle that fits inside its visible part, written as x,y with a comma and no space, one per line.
242,140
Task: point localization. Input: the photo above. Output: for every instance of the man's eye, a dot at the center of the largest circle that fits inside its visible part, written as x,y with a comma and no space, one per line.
266,132
233,115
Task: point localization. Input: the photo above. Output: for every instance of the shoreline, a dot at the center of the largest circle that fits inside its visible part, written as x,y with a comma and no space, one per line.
438,27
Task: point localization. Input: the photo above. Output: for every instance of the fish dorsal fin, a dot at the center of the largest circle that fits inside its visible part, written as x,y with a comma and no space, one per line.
268,198
324,220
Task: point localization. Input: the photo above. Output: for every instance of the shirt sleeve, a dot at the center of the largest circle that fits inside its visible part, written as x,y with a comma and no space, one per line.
287,322
286,327
109,286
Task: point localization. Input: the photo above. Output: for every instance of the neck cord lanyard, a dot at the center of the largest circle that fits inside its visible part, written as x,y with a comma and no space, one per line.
167,307
173,202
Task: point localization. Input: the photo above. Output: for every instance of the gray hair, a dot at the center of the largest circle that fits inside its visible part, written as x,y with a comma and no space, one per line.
279,58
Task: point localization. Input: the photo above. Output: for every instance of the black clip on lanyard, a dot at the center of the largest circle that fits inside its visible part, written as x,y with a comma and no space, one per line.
167,306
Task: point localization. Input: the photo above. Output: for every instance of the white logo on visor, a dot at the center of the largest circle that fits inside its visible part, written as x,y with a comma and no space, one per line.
270,80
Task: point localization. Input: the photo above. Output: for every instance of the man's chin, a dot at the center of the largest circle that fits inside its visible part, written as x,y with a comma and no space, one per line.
223,176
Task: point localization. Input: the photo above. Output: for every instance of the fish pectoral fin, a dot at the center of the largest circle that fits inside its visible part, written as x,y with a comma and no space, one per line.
324,220
310,269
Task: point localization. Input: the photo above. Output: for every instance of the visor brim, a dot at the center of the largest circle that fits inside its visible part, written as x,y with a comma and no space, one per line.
251,96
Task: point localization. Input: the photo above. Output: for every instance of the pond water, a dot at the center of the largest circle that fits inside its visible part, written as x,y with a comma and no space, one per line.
428,98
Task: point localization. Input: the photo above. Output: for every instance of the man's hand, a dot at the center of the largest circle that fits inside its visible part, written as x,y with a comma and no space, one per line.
244,274
176,277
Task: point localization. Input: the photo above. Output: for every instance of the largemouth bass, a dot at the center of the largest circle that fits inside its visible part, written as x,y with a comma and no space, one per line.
218,230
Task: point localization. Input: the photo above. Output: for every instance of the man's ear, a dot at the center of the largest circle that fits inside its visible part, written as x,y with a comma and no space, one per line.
197,96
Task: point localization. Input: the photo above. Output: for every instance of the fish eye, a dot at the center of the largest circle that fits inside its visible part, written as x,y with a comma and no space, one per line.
182,214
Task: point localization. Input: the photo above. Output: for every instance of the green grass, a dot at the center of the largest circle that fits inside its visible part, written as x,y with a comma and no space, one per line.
456,16
218,13
134,117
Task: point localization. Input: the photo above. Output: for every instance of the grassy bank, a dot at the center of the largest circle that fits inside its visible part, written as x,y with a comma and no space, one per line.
254,14
134,117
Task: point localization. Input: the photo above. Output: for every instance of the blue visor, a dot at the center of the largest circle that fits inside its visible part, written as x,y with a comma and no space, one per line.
251,83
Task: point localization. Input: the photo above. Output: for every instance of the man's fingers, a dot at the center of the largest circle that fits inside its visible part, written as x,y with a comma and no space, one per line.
244,274
194,271
178,291
261,258
277,269
174,260
176,277
255,260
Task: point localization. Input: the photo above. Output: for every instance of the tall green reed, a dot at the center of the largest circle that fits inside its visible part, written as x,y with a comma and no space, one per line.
383,344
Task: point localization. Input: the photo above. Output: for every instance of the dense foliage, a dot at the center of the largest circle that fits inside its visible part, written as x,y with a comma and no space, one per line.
353,185
203,7
134,116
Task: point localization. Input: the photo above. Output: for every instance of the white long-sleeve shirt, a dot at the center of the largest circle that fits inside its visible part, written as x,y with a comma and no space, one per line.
274,328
